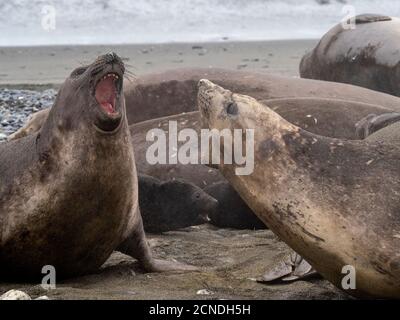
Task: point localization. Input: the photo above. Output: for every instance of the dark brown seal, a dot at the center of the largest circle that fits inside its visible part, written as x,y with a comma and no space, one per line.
174,204
173,92
329,109
69,194
367,56
333,201
232,211
329,117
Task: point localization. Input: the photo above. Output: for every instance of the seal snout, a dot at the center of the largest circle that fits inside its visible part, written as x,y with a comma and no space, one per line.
205,84
107,73
205,95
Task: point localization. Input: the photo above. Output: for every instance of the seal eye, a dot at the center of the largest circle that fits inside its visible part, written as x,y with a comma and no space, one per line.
232,108
79,71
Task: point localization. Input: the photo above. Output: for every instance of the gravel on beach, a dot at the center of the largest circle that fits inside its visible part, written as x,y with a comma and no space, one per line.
17,105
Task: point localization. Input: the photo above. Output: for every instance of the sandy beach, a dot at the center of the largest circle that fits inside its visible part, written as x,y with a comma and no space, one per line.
50,65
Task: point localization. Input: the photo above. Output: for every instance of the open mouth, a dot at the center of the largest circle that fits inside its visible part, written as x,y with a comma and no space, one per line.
106,93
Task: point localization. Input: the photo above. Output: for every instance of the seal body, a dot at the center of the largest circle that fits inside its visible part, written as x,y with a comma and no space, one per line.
329,109
174,204
333,201
69,193
65,199
334,118
367,55
232,211
174,92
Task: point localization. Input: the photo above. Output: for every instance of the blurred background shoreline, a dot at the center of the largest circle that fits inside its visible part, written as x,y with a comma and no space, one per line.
43,41
112,22
48,66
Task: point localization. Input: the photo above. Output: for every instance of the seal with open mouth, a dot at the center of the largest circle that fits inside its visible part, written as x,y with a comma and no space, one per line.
69,194
333,201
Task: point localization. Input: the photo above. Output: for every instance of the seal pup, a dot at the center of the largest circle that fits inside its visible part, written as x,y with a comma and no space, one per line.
333,201
367,55
172,205
69,194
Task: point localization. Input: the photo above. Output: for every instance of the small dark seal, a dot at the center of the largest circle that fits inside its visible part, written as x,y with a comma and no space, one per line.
173,204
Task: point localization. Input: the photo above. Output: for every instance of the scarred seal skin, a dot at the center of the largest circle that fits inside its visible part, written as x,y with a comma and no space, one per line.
333,201
367,55
69,194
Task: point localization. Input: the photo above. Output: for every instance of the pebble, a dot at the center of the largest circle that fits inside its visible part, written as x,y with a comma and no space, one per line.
204,292
15,295
17,105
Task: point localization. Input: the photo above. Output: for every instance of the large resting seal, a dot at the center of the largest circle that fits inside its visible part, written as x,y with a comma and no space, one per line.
175,91
333,201
367,56
69,194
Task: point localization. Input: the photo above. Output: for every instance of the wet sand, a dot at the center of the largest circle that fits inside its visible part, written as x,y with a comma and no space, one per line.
230,261
51,65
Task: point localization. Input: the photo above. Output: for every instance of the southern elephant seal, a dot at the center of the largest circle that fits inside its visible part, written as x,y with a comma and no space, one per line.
232,211
174,204
367,55
333,201
318,106
69,194
174,92
329,117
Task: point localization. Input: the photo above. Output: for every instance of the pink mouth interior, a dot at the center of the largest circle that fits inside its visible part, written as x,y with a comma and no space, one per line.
106,94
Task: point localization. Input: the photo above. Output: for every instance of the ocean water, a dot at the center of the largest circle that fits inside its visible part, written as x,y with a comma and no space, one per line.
38,22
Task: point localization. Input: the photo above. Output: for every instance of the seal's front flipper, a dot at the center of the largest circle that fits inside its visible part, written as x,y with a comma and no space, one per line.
372,123
290,268
137,247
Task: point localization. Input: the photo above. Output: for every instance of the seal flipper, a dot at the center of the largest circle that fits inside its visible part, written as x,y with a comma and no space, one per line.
372,123
290,268
137,247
